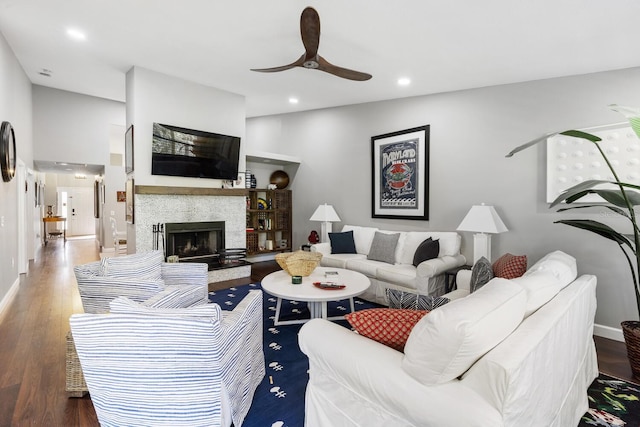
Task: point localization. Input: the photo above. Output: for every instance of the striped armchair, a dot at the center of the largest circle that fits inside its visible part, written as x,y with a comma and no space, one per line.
196,366
137,277
142,277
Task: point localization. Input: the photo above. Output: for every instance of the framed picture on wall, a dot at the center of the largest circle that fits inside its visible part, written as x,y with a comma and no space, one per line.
129,206
128,150
96,199
400,174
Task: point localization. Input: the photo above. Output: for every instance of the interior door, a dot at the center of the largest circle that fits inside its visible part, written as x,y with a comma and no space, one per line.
79,211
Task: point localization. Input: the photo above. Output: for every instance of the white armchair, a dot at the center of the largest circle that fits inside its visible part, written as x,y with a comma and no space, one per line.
196,366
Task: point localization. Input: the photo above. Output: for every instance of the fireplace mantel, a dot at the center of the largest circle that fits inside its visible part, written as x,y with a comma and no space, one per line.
188,191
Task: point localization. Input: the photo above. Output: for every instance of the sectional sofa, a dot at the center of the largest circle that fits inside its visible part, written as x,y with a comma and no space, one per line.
514,353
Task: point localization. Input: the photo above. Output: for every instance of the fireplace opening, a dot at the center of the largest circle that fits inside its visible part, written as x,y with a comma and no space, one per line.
201,242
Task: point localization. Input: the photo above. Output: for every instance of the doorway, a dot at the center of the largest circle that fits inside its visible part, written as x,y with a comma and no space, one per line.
77,205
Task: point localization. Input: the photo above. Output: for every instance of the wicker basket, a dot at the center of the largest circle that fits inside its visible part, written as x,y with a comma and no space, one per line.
631,332
75,386
299,263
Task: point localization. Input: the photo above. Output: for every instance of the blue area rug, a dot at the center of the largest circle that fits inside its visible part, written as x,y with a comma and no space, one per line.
279,400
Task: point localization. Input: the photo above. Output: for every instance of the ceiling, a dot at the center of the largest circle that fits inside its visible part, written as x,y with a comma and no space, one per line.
440,45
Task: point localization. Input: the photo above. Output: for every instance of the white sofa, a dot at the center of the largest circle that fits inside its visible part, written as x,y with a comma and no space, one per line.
462,365
427,278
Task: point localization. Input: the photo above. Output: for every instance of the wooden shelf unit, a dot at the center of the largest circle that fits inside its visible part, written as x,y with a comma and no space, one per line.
268,223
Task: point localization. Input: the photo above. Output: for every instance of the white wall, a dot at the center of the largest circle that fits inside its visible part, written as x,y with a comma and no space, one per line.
471,131
70,127
155,97
15,107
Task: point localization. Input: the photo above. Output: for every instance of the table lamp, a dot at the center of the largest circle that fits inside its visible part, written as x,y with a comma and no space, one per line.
482,220
326,215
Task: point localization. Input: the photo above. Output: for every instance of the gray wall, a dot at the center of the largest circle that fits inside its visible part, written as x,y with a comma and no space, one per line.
471,131
15,107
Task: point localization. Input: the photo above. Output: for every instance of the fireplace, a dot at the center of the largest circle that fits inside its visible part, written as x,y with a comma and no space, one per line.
201,242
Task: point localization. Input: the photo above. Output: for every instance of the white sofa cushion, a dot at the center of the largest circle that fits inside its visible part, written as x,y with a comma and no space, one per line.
401,274
407,245
540,288
444,344
410,240
561,265
546,278
366,266
340,260
362,236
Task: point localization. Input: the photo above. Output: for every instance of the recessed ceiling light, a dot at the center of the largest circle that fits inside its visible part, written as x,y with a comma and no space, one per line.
404,81
76,34
293,100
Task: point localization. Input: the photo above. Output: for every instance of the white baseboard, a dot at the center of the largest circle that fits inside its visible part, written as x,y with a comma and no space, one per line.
9,296
608,332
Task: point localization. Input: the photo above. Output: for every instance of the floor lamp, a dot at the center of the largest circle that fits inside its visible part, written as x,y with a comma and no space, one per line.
484,221
326,215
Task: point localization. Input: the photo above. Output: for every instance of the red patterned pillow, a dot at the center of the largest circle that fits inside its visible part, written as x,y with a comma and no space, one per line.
388,326
510,266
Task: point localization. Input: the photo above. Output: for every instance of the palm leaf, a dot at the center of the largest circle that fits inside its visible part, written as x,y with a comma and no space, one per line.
531,143
599,229
580,190
580,134
612,208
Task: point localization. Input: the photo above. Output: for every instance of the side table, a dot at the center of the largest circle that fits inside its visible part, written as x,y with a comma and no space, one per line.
450,277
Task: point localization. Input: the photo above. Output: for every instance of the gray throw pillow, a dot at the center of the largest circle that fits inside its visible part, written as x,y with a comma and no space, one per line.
411,301
481,273
383,247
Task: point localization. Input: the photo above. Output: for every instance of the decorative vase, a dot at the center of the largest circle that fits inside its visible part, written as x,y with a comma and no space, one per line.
631,332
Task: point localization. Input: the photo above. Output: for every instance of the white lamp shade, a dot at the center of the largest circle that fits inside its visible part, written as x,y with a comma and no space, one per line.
325,213
482,219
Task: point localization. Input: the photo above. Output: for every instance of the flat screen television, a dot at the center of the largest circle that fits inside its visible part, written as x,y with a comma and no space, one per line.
178,151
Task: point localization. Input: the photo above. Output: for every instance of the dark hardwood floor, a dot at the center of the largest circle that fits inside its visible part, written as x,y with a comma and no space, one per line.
33,329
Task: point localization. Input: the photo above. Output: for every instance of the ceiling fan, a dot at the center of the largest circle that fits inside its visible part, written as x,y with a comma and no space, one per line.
310,31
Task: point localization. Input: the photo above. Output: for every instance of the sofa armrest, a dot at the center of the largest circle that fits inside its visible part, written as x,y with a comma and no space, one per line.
324,248
344,366
463,280
436,266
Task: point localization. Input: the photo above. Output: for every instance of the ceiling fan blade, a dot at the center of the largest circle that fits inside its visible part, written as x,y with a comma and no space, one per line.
297,63
345,73
310,31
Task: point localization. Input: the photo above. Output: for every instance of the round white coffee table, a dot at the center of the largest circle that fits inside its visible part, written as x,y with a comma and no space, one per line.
279,285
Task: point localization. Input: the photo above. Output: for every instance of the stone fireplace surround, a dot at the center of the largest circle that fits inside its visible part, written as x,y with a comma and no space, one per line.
160,204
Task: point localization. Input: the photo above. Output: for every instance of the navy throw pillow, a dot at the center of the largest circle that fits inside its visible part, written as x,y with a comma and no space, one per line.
342,243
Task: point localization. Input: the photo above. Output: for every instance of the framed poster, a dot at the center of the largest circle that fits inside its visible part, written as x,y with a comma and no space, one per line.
129,206
400,174
128,150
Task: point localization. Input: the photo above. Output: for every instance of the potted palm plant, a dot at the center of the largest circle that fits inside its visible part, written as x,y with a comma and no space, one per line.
621,198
